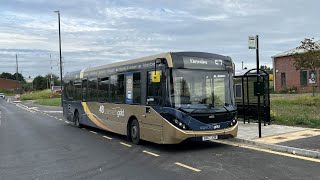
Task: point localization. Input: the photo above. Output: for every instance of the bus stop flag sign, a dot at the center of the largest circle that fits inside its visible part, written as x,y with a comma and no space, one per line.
252,42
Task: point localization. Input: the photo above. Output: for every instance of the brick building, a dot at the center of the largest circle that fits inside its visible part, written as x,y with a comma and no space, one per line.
8,84
286,76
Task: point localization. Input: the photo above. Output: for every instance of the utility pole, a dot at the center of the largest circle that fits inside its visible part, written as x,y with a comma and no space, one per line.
51,78
242,65
17,71
60,55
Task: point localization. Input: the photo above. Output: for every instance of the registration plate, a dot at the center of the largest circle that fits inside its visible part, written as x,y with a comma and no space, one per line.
208,138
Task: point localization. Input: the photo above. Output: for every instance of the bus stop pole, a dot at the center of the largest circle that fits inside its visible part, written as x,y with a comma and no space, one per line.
258,83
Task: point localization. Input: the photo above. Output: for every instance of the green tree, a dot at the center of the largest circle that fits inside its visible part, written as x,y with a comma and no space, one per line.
55,79
40,83
7,75
307,55
27,87
20,77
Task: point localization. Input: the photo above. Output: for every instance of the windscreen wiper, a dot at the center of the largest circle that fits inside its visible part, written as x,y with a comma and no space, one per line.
225,107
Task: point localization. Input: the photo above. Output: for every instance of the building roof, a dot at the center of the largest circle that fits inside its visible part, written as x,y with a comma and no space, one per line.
291,51
248,72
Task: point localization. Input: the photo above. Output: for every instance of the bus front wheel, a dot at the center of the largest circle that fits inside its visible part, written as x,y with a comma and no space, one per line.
135,132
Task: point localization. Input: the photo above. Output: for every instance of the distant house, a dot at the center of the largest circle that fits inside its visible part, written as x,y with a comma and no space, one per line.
8,84
286,76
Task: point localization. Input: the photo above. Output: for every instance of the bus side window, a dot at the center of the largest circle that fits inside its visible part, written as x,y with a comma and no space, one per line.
154,89
77,90
84,90
117,88
92,89
103,88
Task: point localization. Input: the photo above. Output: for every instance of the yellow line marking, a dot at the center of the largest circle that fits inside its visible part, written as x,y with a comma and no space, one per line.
107,137
93,132
83,128
188,167
151,153
128,145
270,151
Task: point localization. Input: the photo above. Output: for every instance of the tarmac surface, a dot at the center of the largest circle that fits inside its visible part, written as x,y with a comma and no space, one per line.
311,143
37,143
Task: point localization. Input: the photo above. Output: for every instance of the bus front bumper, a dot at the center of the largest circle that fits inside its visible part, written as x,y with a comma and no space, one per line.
174,135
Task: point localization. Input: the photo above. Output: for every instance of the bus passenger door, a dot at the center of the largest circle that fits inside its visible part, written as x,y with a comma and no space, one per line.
154,97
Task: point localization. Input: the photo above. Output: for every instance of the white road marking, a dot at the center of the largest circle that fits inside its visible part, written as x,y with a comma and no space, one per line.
151,153
188,167
107,137
93,132
24,107
60,119
66,122
128,145
83,128
53,111
34,108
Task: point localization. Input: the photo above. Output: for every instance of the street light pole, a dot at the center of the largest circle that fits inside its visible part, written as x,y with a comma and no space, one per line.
60,56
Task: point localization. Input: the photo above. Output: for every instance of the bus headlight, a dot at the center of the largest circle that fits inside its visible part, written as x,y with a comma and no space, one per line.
175,121
233,122
180,124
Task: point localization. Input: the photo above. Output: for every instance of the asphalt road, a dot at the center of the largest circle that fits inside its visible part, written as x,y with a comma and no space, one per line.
41,145
311,143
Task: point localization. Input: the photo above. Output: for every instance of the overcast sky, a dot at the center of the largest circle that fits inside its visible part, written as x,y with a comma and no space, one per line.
96,32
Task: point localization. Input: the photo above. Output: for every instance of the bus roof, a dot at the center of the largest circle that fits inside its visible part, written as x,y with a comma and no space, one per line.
166,55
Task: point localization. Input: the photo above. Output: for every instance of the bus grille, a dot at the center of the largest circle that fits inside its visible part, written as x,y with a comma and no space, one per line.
218,118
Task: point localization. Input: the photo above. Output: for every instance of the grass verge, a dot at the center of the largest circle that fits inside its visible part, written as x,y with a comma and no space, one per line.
297,110
45,94
49,102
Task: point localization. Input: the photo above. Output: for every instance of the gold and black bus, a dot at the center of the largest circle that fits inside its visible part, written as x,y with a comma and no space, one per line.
165,98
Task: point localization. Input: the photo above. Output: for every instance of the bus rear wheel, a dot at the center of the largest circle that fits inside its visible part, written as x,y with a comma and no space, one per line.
77,120
135,132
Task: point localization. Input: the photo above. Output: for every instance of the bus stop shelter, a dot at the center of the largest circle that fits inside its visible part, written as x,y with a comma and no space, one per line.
246,89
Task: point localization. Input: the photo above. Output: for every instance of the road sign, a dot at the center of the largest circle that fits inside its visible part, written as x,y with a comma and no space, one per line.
252,42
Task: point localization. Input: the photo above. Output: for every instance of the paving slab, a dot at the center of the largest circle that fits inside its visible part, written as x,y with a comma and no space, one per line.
250,131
